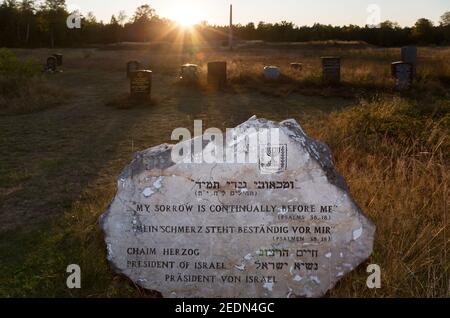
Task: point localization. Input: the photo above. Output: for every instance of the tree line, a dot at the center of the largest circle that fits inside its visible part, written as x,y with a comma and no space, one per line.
31,23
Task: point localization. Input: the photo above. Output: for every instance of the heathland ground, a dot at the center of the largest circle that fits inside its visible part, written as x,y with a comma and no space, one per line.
66,137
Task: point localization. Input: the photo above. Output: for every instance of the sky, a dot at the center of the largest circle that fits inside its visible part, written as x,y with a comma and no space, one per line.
300,12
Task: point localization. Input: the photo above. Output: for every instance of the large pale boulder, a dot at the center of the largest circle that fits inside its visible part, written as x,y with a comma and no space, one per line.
281,225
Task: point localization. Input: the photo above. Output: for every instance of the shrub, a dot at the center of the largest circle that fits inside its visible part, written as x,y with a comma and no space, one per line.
22,89
10,65
15,75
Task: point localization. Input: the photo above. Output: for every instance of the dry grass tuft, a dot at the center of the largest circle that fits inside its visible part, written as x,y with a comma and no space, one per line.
399,174
33,95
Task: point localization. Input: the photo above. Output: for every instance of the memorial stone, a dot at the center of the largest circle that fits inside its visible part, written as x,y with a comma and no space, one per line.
189,73
409,55
297,66
272,73
132,66
331,69
403,74
280,223
217,74
141,83
59,59
51,65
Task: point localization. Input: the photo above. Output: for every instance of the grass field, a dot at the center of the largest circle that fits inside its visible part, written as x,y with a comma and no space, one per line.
63,145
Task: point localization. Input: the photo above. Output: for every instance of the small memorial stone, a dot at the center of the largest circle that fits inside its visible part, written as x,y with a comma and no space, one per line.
141,83
133,66
409,55
51,65
59,59
189,73
281,223
272,73
217,74
403,74
297,66
331,69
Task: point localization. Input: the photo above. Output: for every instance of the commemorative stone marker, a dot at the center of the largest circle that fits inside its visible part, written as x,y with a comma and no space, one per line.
189,73
270,217
403,74
331,69
409,55
141,83
271,73
296,66
132,66
217,74
59,59
51,64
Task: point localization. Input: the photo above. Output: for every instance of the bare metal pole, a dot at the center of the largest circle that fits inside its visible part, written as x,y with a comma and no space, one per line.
230,39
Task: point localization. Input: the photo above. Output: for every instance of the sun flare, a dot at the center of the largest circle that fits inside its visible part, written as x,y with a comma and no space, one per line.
186,16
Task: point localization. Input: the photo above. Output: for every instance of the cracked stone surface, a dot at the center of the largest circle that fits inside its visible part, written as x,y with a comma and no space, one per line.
284,225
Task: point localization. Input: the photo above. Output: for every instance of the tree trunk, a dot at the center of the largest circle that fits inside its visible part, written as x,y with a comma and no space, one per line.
18,33
52,39
27,34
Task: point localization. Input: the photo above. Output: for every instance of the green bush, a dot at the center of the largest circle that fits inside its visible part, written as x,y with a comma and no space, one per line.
15,74
22,89
11,65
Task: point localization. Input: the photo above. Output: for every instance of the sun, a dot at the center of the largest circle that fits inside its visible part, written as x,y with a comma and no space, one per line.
186,16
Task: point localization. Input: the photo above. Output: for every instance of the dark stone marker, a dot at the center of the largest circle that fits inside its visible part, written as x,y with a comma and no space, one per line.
140,83
51,64
331,68
403,74
297,66
59,59
409,55
189,73
217,74
133,66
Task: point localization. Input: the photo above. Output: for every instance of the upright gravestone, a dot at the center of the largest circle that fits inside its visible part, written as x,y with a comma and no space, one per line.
296,66
331,69
409,55
217,74
59,59
271,73
132,66
189,73
51,64
140,84
403,74
261,213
